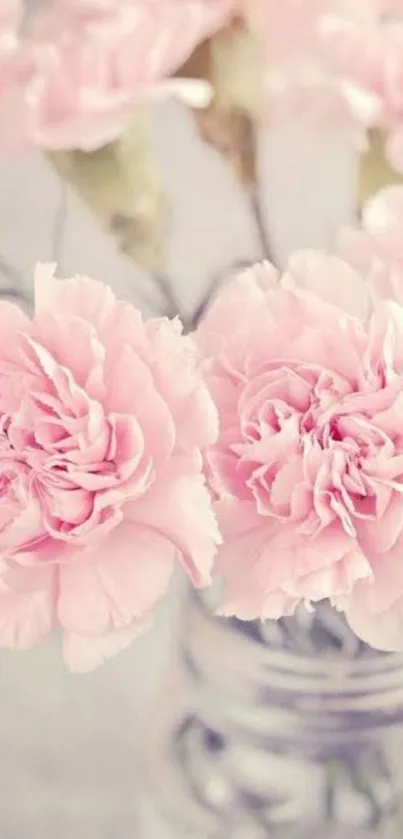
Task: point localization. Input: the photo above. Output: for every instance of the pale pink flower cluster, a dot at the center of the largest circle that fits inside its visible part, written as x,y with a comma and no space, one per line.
103,421
306,370
75,73
105,441
363,45
71,75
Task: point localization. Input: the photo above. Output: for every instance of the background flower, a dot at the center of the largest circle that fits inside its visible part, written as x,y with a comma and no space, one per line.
301,82
103,421
375,248
307,472
362,44
81,66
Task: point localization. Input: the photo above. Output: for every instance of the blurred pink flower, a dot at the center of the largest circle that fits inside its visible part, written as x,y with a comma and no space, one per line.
336,62
363,45
103,423
375,249
300,82
289,32
82,66
307,472
12,116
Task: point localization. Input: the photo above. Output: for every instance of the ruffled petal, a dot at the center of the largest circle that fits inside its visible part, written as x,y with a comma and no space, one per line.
27,607
115,582
84,653
179,508
331,280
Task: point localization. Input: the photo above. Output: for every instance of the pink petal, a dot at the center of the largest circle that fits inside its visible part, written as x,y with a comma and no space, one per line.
237,312
135,566
337,578
330,279
380,593
119,579
179,508
27,612
174,361
83,605
383,632
83,653
243,595
84,356
237,518
381,536
83,297
131,390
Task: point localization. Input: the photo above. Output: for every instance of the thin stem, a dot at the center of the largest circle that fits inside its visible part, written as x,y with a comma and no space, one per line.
121,223
238,265
164,285
363,785
16,291
257,213
330,791
358,215
145,299
266,251
254,198
254,193
9,293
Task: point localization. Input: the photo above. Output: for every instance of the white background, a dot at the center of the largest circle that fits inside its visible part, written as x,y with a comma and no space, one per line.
69,745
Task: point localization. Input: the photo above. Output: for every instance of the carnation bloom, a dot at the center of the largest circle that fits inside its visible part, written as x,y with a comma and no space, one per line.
103,423
301,82
307,471
336,59
363,45
82,65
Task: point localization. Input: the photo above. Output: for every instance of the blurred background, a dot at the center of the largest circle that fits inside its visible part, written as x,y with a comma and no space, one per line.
71,746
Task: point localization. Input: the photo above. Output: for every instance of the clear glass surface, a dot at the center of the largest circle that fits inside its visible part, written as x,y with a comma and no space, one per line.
290,730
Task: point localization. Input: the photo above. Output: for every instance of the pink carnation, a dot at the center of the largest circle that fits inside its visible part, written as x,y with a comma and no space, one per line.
308,469
339,61
84,64
300,80
103,423
363,45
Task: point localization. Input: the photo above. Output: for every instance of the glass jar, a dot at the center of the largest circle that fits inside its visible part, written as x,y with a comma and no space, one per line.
290,730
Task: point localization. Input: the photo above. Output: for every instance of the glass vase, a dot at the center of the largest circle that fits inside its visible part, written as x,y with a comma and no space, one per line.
288,730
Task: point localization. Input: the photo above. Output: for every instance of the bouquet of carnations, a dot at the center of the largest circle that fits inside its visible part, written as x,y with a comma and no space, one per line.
265,451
